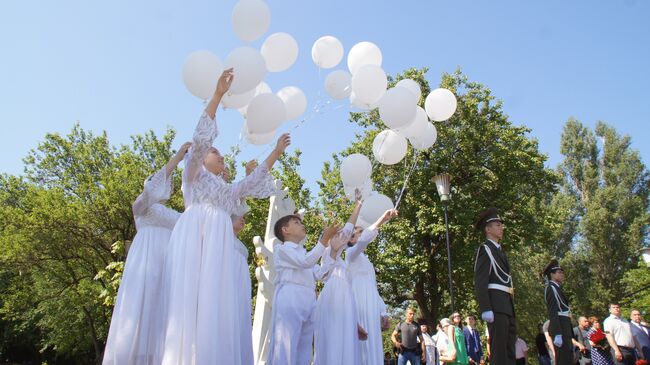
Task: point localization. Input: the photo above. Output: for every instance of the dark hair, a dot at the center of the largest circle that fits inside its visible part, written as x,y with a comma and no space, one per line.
614,303
283,222
471,316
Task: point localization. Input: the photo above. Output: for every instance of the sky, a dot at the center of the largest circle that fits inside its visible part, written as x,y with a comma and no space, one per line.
115,66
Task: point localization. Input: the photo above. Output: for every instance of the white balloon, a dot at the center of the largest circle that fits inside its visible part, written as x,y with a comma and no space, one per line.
362,223
258,139
411,86
412,128
374,206
425,136
369,84
440,104
363,53
338,84
249,68
327,52
397,108
365,189
280,51
201,71
294,101
235,101
389,147
251,19
355,170
265,113
262,88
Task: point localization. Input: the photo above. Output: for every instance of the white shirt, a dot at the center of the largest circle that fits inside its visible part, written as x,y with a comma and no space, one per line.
620,329
294,265
520,348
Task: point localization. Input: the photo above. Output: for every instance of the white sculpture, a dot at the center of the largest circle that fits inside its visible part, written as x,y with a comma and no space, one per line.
279,206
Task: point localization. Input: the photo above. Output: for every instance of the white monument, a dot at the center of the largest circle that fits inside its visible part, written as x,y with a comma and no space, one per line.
280,205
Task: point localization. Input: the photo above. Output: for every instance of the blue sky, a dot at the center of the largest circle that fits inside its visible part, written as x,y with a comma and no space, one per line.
116,65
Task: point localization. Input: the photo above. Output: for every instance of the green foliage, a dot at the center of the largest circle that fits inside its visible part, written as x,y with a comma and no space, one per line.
58,223
609,187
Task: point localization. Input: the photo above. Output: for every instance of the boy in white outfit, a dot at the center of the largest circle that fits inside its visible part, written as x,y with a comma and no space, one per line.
294,301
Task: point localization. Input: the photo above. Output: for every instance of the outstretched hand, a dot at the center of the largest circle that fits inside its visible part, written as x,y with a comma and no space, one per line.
224,82
182,151
250,167
329,232
283,142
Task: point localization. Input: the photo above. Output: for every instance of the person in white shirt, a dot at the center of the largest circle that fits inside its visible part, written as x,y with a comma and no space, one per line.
619,336
521,351
292,323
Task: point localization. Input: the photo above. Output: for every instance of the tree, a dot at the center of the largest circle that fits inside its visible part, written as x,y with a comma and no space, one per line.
492,163
609,186
58,223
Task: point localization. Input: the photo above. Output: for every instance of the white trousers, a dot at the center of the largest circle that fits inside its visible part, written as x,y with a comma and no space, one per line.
293,325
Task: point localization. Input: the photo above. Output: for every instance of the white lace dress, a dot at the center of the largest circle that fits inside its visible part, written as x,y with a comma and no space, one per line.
204,306
369,305
336,338
136,329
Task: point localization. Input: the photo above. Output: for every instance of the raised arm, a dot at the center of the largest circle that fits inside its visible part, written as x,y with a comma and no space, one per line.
177,158
206,130
258,183
369,234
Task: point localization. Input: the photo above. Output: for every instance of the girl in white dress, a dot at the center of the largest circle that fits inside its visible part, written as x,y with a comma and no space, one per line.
243,277
135,333
203,321
369,305
337,332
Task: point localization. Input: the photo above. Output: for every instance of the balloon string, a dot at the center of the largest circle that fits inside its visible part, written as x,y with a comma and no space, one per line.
401,193
319,108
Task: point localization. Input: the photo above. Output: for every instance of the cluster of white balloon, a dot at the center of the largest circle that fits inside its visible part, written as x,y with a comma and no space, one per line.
365,84
263,110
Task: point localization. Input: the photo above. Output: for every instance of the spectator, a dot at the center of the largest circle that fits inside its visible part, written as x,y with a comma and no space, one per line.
581,341
456,320
442,342
430,357
599,355
641,333
521,352
619,336
542,348
473,341
409,348
456,350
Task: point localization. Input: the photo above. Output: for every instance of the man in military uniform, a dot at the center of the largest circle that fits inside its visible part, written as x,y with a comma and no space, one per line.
559,314
494,290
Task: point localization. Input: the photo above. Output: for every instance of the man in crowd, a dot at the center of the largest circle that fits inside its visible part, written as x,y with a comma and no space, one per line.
472,340
409,348
641,333
581,341
619,336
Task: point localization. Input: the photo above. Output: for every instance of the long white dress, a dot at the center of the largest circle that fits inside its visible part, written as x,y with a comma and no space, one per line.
243,278
135,334
204,308
370,306
336,338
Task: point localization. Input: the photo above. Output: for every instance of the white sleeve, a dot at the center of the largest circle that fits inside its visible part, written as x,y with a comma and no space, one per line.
292,259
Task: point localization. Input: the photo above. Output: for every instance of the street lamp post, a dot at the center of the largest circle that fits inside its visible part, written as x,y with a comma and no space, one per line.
443,186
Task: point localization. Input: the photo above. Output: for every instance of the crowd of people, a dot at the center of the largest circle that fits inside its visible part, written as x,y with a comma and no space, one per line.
614,341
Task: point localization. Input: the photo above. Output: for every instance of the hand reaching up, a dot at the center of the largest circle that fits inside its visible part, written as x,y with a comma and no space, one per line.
224,82
250,167
329,232
283,142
